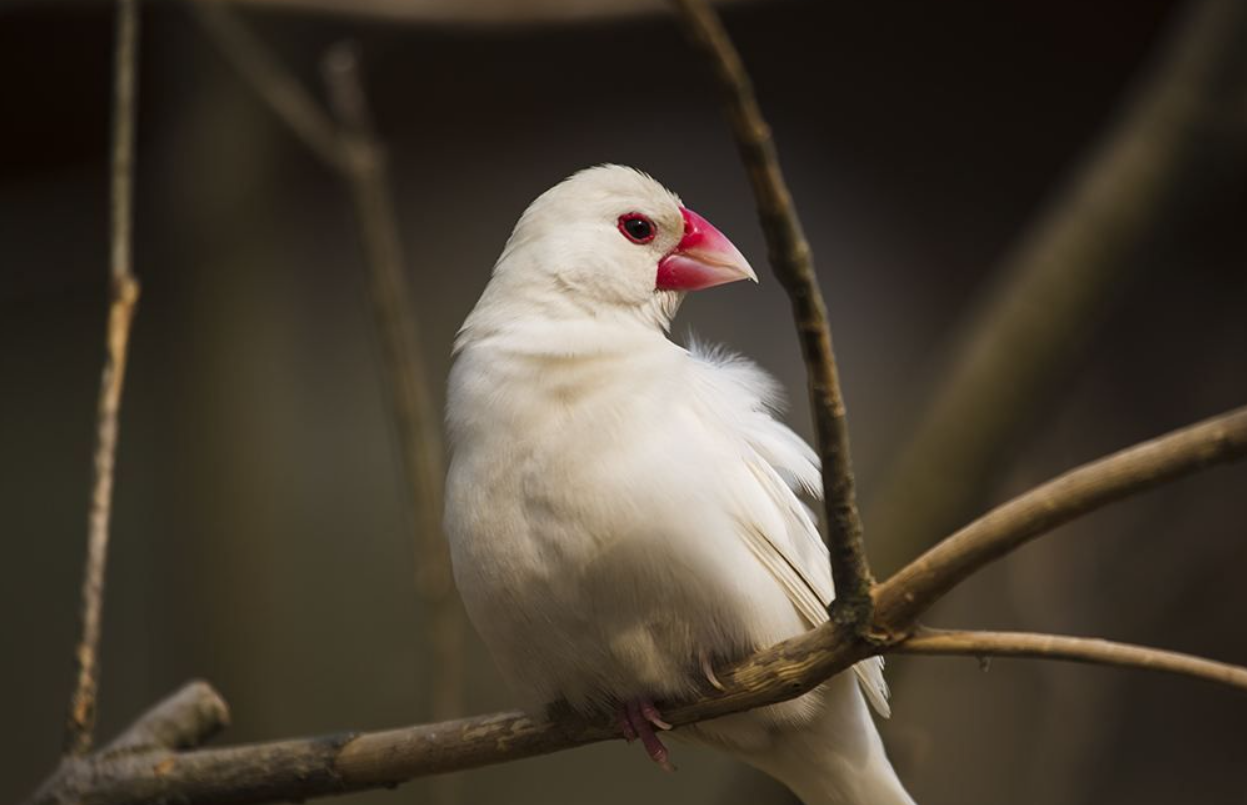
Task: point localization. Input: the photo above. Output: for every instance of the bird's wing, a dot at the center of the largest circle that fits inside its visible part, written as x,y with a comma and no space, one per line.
779,529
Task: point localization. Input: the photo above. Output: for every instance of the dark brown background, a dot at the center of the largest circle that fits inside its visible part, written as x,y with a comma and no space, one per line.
260,539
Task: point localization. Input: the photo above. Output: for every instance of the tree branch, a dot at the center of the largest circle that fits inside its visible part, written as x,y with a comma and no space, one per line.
293,104
303,768
1075,649
185,719
412,408
793,264
348,145
923,581
1050,292
124,294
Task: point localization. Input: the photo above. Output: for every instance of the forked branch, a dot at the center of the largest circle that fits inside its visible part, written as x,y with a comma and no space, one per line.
904,596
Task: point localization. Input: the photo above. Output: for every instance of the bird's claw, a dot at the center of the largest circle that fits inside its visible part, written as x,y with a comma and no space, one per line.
708,671
637,720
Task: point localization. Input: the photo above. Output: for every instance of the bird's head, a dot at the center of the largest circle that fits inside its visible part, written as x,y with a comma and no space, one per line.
612,238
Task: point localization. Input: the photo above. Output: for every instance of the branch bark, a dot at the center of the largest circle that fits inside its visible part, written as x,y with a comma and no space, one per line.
923,581
793,264
1075,649
124,294
1049,293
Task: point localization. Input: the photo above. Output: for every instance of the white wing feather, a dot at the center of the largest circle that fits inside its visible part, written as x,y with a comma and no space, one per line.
783,465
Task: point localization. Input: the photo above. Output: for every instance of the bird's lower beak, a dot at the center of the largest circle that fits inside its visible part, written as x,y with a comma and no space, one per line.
703,258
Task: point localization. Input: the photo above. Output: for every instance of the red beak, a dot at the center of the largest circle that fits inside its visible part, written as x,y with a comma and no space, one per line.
703,258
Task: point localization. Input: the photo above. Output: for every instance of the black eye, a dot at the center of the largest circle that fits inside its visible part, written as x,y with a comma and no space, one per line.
637,228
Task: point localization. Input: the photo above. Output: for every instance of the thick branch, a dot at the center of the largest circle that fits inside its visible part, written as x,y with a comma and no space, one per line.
124,294
793,263
303,768
1075,649
917,586
1036,315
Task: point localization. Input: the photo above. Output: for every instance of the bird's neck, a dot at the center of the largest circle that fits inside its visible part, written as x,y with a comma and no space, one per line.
541,321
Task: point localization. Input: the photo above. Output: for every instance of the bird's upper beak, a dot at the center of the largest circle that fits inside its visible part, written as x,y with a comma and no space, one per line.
703,258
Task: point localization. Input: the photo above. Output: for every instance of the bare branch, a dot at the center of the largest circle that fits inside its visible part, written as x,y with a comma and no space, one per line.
1075,649
793,263
917,586
336,764
1050,291
124,294
279,89
414,412
187,718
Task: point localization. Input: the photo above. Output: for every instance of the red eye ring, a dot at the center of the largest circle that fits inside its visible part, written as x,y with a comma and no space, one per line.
637,228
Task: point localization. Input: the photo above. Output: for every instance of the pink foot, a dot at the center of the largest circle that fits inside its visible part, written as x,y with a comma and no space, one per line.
637,719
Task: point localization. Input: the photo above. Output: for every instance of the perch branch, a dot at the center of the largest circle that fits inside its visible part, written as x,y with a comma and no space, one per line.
1051,290
124,294
919,584
793,263
302,768
1075,649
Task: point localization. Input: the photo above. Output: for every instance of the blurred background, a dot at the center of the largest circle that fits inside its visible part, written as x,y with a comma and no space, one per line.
262,533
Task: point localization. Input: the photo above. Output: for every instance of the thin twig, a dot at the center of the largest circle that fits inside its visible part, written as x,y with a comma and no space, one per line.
1026,331
124,294
294,105
1075,649
414,413
904,596
308,767
793,264
348,144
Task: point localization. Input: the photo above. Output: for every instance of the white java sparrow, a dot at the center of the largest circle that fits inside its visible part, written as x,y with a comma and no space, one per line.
623,512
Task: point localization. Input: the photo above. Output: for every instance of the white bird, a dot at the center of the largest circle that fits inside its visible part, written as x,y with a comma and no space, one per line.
623,512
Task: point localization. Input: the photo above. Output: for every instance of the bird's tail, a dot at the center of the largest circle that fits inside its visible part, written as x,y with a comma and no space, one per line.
834,758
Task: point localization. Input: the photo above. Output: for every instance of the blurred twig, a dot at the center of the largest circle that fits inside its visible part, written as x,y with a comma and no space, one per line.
306,767
793,264
273,82
415,415
124,294
1074,649
347,143
1003,365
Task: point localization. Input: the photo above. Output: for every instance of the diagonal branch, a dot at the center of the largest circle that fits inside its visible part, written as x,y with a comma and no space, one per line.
923,581
293,104
124,295
793,263
1175,136
1074,649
